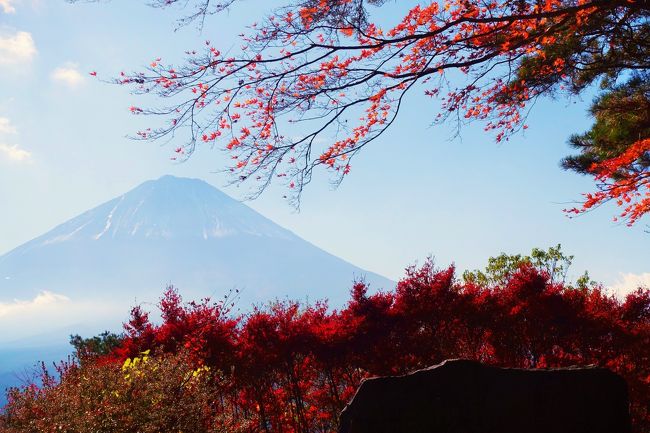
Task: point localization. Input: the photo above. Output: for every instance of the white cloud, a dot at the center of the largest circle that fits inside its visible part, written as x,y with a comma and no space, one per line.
628,283
5,125
14,153
53,313
11,152
7,6
10,6
68,74
43,301
16,48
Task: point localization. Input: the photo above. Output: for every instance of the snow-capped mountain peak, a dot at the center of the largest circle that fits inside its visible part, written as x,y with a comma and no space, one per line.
167,208
181,231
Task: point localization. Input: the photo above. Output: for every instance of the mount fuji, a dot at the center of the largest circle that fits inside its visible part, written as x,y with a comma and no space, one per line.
82,276
176,231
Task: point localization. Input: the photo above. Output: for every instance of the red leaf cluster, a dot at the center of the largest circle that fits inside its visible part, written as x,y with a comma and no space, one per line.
623,182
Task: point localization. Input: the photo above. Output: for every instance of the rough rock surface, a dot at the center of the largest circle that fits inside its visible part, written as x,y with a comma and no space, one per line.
461,396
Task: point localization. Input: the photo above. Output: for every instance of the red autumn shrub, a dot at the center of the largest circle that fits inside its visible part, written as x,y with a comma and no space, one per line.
145,394
291,368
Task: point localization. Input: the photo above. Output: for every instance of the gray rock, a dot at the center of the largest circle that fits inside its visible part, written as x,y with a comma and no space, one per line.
460,396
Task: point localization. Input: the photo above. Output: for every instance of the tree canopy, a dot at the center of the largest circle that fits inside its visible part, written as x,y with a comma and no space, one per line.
327,69
552,262
616,150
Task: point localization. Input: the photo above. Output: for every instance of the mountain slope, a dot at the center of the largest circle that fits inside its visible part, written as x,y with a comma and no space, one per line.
180,231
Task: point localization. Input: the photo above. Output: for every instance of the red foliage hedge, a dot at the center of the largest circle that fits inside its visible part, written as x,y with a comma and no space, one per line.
291,368
294,367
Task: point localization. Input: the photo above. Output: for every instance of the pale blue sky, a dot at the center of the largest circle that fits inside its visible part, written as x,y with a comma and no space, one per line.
411,194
